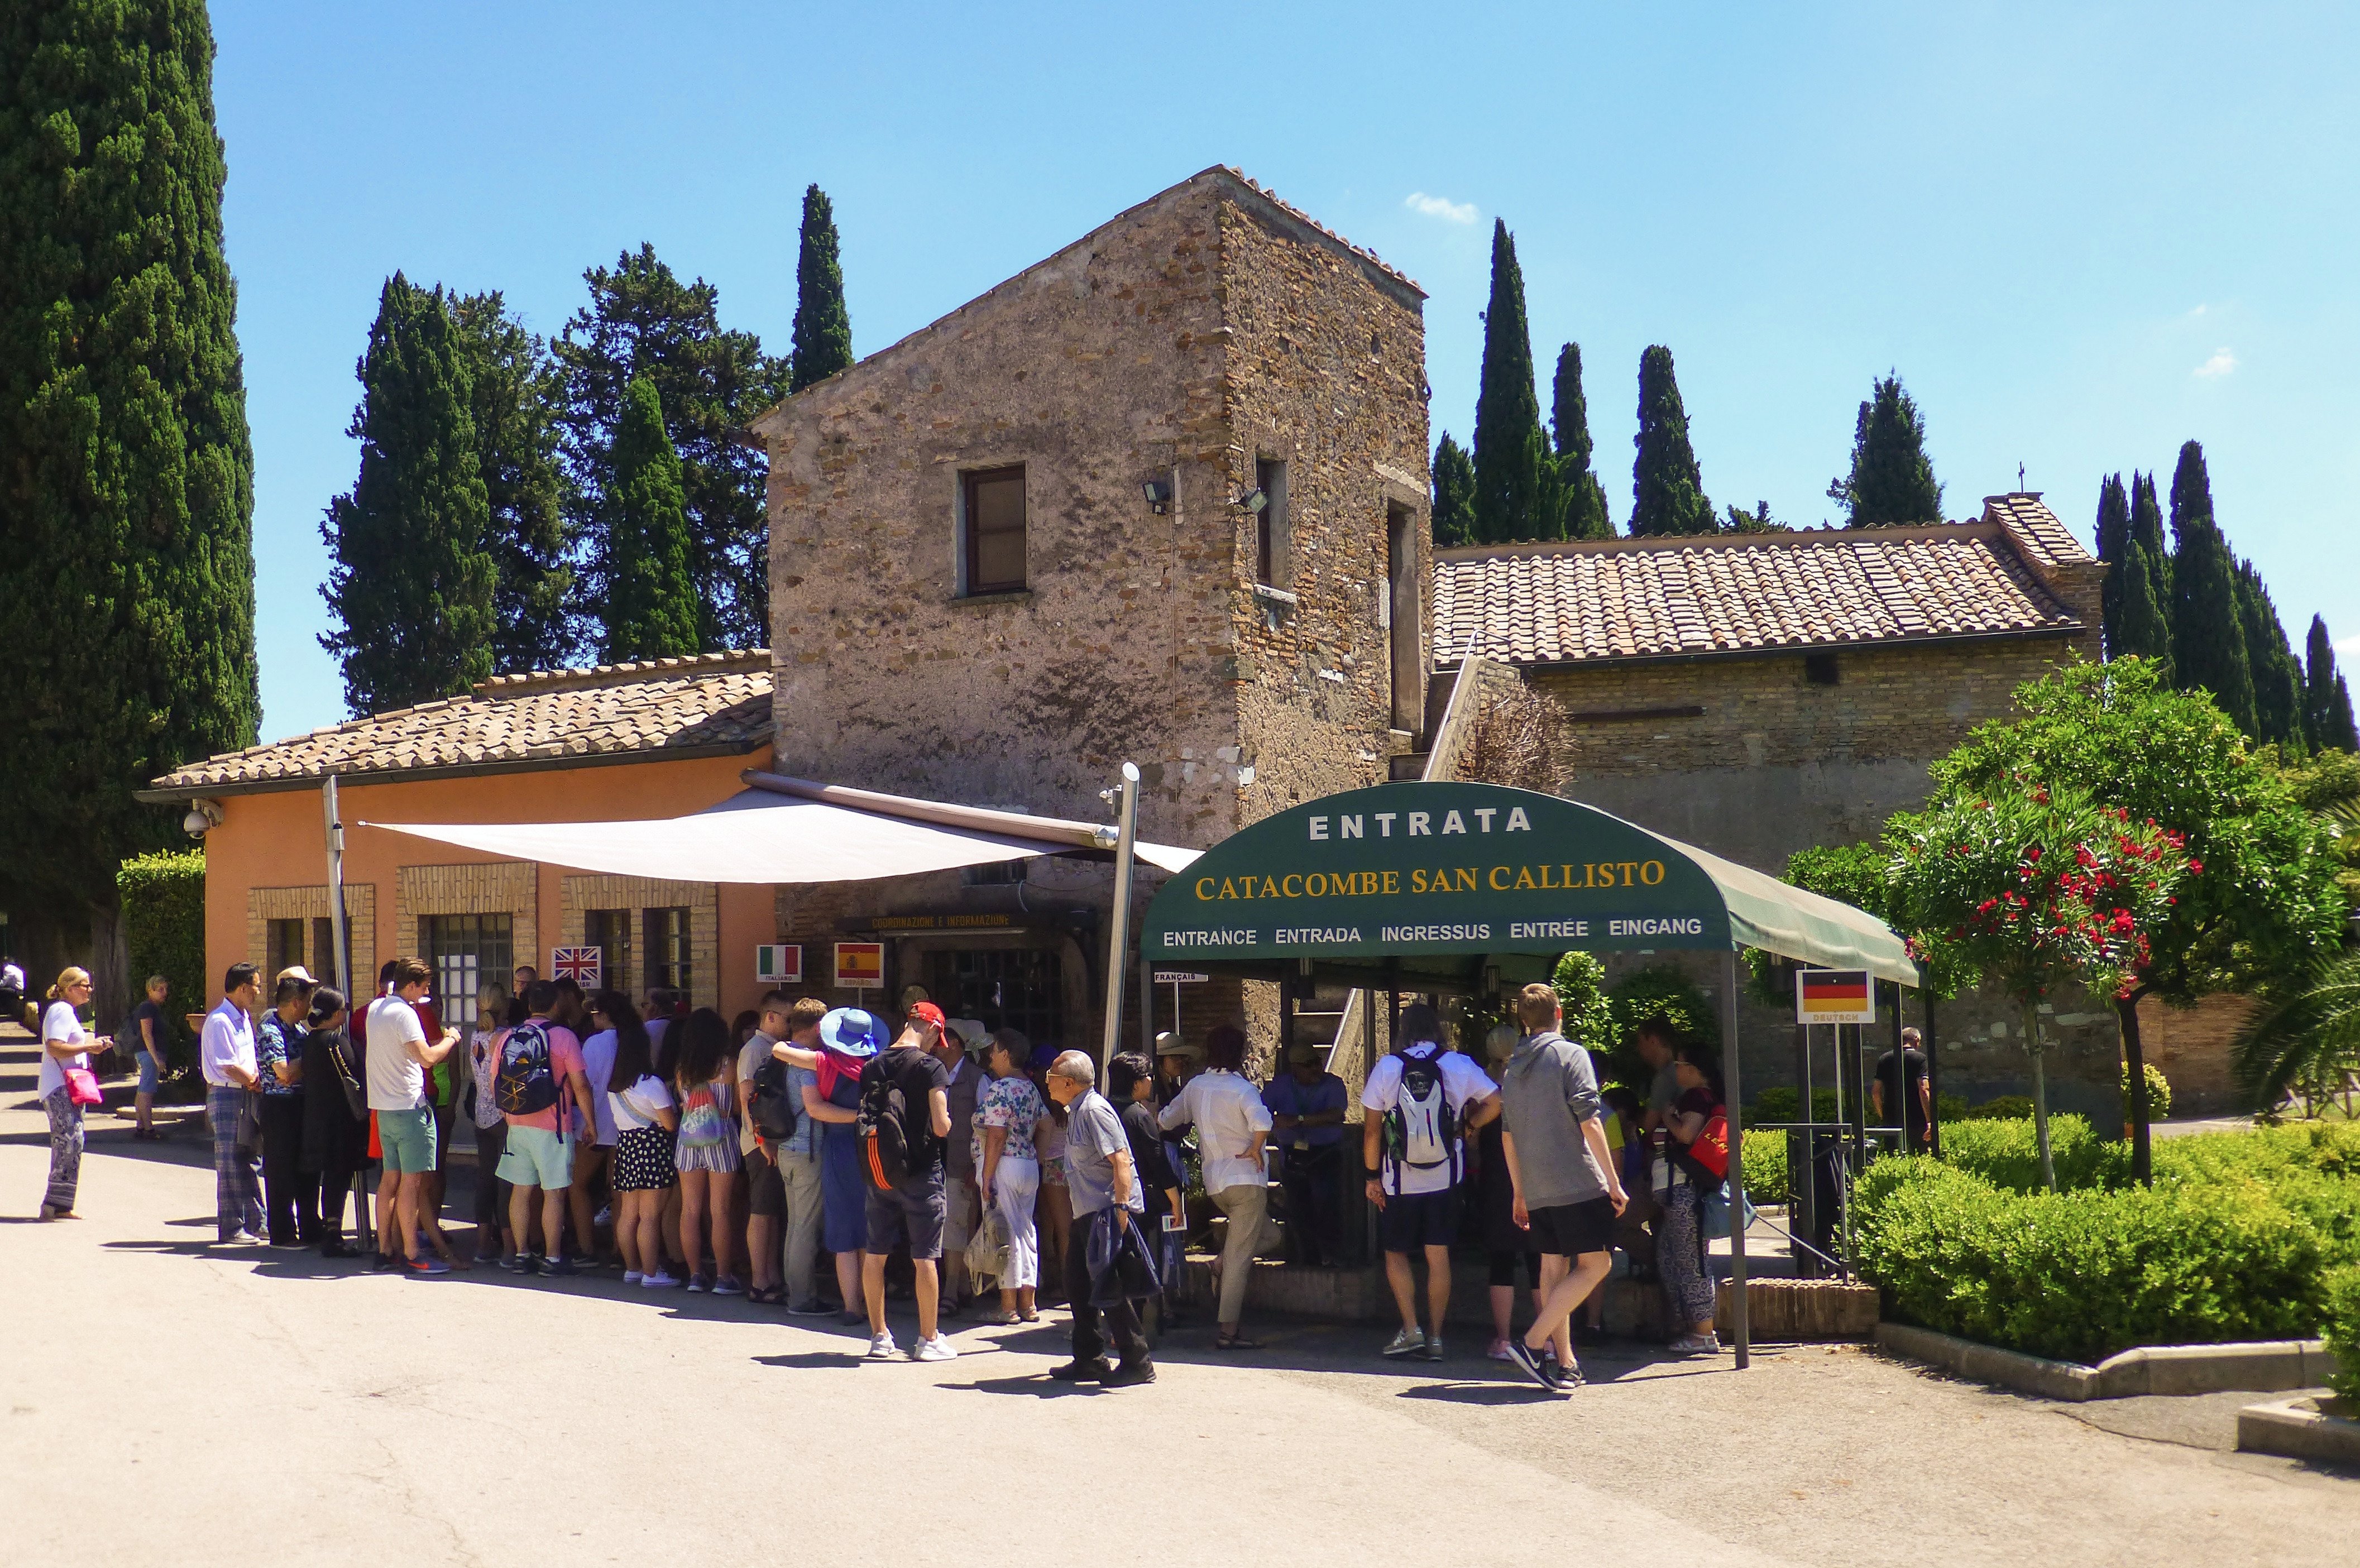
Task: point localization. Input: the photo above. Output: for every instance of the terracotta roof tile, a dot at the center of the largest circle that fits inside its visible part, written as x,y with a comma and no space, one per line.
1594,601
714,700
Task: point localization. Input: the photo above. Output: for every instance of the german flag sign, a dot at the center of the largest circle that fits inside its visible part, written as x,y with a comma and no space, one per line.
1834,997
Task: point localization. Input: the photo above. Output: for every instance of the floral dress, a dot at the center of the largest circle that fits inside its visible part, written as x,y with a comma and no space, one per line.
1013,1105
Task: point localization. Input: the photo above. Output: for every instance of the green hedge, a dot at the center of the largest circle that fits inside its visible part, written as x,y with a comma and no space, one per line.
1781,1103
1766,1168
2158,1092
2343,1329
164,928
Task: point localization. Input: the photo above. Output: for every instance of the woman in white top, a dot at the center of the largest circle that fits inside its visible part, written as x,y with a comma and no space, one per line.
593,1152
64,1044
494,1237
641,1105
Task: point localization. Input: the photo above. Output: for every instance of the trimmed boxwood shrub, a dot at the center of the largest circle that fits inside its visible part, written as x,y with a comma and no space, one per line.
2007,1155
164,928
2342,1331
1766,1168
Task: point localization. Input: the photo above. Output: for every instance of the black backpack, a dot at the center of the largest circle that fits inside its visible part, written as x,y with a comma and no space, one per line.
773,1109
525,1084
894,1146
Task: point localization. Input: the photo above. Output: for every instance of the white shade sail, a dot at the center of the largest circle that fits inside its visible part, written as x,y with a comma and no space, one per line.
757,836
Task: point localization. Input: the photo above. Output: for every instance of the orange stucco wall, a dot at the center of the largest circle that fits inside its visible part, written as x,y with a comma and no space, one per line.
280,839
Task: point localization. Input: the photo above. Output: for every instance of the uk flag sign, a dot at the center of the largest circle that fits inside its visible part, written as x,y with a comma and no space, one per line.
584,966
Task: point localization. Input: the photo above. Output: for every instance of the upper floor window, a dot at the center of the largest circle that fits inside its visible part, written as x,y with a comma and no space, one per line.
1270,524
994,545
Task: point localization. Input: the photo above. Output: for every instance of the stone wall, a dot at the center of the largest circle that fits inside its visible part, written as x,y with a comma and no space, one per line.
2190,1045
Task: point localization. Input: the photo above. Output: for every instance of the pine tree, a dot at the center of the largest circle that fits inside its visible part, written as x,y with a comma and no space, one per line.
2326,704
1581,497
2113,540
642,321
650,610
1454,495
2278,678
516,396
823,343
411,587
1892,480
1509,445
2208,639
2143,632
1667,488
126,473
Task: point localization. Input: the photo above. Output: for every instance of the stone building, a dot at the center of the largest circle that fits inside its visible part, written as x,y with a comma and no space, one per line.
1161,497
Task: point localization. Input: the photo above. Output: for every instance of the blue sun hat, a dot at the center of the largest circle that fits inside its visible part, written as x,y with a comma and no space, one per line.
852,1031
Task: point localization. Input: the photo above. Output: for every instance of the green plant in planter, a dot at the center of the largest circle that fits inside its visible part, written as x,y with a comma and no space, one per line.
2158,1092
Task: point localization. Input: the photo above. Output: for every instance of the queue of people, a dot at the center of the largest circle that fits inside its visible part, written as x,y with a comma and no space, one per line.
727,1157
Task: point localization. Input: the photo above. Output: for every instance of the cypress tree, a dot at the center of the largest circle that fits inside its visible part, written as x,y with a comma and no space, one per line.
126,473
2326,704
2278,678
1667,488
2147,528
1892,480
642,321
2145,633
651,605
410,585
2113,540
1454,495
516,396
1581,496
1509,445
823,343
2208,639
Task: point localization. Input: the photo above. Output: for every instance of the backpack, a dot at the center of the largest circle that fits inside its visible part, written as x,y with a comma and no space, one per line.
891,1150
524,1084
768,1106
1421,1130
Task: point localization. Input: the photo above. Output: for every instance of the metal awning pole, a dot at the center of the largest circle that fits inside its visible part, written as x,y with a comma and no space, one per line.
1740,1325
1126,806
340,961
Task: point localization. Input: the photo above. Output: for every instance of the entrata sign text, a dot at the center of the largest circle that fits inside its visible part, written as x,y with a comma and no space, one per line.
1445,869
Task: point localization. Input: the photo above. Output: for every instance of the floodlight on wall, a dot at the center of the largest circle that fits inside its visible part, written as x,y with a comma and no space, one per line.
1254,500
203,817
1158,493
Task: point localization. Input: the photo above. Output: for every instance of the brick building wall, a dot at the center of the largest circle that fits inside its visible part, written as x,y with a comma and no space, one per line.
264,905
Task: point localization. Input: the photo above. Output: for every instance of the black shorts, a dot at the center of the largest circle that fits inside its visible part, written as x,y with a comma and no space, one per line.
1569,1230
767,1194
1503,1267
914,1209
1416,1220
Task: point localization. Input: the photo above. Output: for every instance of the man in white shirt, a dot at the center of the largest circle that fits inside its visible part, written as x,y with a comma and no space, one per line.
225,1054
397,1057
1421,1102
1232,1125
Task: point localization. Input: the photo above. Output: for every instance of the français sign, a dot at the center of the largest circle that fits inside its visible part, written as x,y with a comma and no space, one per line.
1434,868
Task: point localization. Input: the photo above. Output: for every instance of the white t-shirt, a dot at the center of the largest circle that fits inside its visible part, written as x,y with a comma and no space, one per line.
636,1107
59,1023
397,1080
1463,1084
597,1066
227,1039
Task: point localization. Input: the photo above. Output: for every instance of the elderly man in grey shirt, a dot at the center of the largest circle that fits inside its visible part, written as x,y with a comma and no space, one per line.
1567,1192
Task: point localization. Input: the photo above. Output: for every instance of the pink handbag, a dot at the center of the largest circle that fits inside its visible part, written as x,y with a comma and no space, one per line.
81,1086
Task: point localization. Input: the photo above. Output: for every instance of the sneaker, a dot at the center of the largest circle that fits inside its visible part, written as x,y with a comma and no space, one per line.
727,1285
1498,1351
1129,1375
935,1349
602,1219
379,1262
1528,1362
1696,1345
1433,1348
1093,1371
698,1283
1408,1341
423,1266
658,1281
883,1348
810,1309
632,1276
518,1262
243,1238
1567,1377
562,1268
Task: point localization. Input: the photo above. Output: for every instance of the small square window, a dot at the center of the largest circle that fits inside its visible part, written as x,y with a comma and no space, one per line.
995,530
1819,669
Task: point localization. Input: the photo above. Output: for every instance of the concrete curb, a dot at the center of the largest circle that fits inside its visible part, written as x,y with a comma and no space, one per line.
2263,1366
2299,1428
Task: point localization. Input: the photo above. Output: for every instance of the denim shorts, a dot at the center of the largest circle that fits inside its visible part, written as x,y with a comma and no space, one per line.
147,1072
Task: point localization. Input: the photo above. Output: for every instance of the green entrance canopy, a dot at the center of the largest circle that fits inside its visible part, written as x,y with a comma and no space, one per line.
1436,877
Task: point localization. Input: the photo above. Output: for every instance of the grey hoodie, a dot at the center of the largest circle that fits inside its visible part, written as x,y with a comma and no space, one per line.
1548,1091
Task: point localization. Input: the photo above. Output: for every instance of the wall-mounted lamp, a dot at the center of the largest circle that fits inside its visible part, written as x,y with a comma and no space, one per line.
1158,493
1254,500
203,817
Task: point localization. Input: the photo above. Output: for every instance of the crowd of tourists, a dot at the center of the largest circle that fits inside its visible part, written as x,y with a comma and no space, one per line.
704,1155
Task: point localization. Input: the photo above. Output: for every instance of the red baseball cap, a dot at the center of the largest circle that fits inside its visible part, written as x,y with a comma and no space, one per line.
927,1012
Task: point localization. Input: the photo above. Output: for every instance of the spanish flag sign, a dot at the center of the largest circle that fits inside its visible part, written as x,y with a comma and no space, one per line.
860,965
1834,997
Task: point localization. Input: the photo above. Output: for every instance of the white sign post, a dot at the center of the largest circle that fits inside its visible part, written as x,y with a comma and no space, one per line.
1175,978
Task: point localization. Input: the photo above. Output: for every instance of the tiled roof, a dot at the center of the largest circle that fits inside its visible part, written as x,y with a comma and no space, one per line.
715,703
2036,527
1657,598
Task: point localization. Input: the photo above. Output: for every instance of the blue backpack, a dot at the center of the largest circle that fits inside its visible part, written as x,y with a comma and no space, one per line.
526,1084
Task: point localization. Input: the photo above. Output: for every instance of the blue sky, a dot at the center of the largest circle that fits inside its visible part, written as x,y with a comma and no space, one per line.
2082,234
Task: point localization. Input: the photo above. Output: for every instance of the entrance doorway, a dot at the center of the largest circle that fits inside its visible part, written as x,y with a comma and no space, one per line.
1006,988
